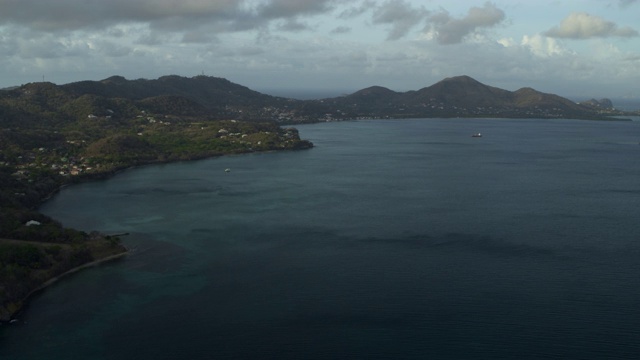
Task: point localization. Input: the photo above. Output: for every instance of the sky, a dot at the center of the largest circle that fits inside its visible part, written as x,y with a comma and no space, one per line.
580,49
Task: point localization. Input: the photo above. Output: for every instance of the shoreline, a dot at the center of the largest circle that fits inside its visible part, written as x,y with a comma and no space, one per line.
22,303
9,311
98,176
76,269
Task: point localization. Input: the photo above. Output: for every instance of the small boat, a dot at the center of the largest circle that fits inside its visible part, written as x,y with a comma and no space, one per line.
227,170
476,135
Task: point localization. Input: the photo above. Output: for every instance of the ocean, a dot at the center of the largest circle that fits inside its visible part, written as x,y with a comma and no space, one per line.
391,239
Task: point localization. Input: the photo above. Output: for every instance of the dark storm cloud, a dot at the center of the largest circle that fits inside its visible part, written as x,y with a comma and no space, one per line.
449,30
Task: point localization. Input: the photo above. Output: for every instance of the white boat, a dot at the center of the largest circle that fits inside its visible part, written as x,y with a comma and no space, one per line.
227,170
476,135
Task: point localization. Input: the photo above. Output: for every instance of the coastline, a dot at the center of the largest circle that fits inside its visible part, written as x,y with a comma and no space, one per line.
14,308
10,308
105,175
76,269
9,311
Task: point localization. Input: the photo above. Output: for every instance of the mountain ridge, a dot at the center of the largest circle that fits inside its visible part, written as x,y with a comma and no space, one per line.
219,98
460,96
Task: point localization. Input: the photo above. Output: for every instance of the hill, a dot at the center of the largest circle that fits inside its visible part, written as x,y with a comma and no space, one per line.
460,96
200,95
217,99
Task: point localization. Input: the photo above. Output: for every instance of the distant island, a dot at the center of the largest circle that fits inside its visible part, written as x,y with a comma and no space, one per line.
55,135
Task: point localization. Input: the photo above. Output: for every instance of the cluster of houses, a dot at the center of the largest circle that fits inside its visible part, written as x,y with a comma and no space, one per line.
288,134
44,160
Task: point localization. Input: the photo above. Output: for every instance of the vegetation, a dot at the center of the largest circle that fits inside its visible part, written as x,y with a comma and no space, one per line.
52,135
26,265
459,96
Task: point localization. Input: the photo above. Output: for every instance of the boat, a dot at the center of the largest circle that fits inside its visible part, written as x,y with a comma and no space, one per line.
476,135
227,170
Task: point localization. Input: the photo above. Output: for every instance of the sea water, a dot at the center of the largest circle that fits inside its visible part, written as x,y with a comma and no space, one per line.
391,239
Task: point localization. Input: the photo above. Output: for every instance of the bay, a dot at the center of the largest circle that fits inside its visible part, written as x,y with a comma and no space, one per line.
391,239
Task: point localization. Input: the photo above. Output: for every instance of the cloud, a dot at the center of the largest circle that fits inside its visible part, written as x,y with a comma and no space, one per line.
149,38
625,3
542,46
278,9
167,15
49,47
69,15
448,30
507,42
250,42
292,25
109,49
400,15
355,11
584,26
197,37
341,30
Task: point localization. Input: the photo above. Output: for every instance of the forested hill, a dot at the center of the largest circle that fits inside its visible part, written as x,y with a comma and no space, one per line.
213,94
460,96
220,99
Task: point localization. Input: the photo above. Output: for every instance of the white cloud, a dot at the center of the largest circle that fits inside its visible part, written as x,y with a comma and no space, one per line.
584,26
507,42
542,46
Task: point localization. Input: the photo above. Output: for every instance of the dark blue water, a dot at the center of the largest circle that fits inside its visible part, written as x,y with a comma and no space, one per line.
390,240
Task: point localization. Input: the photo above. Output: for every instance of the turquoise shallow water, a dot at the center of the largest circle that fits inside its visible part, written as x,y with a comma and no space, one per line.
390,239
